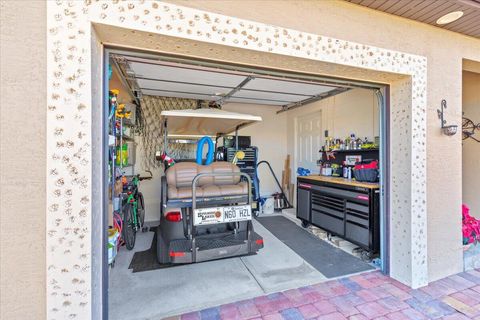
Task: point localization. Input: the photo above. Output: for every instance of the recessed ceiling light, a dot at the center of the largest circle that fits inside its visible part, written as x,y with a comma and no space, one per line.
450,17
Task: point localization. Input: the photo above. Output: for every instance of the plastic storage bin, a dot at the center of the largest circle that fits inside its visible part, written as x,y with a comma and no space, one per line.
112,244
269,206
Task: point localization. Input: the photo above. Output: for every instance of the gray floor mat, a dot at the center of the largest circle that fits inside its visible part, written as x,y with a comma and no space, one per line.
330,261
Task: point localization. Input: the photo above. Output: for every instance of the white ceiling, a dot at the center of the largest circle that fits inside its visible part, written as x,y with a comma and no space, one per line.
193,82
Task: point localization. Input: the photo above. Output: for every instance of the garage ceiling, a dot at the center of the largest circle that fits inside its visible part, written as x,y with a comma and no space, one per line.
170,79
428,11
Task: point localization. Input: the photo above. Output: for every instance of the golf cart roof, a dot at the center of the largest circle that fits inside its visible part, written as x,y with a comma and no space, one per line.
205,122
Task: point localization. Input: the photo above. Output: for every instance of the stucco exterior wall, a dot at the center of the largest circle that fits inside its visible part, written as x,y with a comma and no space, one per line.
22,159
444,51
72,186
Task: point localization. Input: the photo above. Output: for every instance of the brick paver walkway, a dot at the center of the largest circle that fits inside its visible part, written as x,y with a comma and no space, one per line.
366,296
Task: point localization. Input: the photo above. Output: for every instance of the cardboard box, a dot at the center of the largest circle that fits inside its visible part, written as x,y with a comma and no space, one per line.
110,214
118,187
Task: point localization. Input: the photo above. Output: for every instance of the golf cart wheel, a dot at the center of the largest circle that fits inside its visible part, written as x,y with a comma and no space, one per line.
305,223
140,210
128,232
162,249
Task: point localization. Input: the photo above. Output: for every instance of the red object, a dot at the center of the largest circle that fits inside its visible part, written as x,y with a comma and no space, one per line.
174,216
470,226
167,160
177,254
259,241
362,198
303,185
370,165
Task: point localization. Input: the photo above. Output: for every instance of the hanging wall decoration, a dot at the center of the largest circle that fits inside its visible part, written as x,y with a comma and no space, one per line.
448,130
469,129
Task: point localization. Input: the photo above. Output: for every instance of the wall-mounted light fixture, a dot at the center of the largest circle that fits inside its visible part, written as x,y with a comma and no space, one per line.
449,130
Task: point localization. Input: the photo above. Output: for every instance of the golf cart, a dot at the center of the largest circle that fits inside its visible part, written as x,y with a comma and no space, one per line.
205,208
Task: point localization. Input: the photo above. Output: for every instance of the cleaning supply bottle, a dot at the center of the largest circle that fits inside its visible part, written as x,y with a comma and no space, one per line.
122,155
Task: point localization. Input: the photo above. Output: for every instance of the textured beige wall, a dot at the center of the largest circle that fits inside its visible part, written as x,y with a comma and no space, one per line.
22,159
471,148
444,51
354,111
270,136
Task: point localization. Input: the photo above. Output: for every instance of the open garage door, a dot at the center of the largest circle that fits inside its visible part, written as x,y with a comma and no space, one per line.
335,229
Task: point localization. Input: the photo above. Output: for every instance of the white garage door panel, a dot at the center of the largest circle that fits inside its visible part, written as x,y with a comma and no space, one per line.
287,86
269,96
178,95
253,101
160,72
180,87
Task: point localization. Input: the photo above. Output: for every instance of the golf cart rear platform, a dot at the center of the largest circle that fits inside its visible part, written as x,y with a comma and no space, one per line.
211,248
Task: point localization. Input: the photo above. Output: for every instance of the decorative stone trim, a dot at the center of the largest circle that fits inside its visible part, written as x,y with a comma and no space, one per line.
73,82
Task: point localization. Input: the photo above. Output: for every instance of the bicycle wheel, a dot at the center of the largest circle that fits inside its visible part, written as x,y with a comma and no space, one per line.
140,210
128,232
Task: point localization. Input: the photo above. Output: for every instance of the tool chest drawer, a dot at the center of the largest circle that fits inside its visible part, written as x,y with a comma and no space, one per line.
331,223
363,221
303,204
357,234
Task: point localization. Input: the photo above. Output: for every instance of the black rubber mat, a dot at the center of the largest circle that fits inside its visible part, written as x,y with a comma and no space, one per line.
330,261
147,260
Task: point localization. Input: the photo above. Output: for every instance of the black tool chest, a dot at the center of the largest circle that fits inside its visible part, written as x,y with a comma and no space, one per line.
247,165
347,211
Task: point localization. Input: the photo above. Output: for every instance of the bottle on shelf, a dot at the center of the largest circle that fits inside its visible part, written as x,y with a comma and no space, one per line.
345,170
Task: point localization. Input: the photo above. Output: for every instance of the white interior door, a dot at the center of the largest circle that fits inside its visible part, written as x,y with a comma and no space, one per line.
309,141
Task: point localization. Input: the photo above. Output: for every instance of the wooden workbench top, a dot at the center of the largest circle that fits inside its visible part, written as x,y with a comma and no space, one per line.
338,180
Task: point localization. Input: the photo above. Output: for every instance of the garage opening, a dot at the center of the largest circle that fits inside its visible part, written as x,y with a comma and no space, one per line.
227,182
470,161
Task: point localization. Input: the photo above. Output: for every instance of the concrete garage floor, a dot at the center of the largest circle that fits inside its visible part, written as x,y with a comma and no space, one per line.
165,292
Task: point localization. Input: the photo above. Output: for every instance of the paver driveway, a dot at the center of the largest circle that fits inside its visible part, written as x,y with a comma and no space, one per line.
366,296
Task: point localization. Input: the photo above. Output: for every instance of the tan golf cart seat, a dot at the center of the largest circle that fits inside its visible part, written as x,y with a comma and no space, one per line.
180,176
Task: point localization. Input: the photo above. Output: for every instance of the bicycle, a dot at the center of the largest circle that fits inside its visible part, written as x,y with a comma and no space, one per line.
133,210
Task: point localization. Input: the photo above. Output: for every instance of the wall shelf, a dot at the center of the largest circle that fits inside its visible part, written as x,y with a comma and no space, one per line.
354,151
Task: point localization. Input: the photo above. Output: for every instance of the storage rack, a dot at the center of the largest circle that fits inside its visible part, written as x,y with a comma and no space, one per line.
116,140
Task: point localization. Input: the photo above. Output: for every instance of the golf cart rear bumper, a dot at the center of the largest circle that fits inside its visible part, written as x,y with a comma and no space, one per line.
180,250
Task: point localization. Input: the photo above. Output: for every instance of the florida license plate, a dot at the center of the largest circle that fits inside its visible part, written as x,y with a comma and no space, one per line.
204,216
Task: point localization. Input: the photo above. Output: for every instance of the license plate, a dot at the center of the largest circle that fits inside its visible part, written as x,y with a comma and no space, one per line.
206,216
